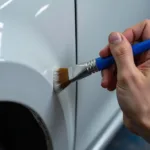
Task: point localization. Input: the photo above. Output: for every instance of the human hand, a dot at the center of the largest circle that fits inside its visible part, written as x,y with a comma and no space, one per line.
130,77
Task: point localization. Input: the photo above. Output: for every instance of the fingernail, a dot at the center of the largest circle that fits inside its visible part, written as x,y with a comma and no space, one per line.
115,38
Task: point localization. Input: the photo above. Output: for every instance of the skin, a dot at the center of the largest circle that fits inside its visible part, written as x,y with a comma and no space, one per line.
130,77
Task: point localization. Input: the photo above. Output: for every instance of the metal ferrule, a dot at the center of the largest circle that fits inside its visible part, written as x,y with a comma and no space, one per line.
91,66
82,70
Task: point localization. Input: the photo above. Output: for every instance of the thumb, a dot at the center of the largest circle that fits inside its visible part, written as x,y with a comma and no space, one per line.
122,52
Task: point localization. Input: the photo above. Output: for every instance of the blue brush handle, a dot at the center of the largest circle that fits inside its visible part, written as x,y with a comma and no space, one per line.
103,63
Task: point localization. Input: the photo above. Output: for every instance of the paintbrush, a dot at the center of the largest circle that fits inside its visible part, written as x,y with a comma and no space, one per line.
64,76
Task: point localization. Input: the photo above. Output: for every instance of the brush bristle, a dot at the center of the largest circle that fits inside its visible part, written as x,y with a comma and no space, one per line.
61,79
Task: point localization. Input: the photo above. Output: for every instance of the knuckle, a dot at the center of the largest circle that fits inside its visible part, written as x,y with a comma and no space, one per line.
146,21
120,51
126,76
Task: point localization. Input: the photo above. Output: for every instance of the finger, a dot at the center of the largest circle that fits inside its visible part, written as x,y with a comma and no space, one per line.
140,31
135,33
137,59
108,78
105,52
112,85
145,68
142,58
122,53
105,76
113,79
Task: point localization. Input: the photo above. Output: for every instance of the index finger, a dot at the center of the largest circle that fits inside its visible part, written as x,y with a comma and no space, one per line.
140,31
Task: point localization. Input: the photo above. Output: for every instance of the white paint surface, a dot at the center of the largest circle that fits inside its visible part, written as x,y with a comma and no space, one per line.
31,47
96,19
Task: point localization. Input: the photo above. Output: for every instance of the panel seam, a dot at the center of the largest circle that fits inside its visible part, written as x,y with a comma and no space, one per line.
76,59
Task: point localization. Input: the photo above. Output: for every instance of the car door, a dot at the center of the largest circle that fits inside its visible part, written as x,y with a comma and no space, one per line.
98,113
35,37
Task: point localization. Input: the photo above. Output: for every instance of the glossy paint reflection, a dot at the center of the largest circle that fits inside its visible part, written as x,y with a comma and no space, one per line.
41,10
1,34
6,4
